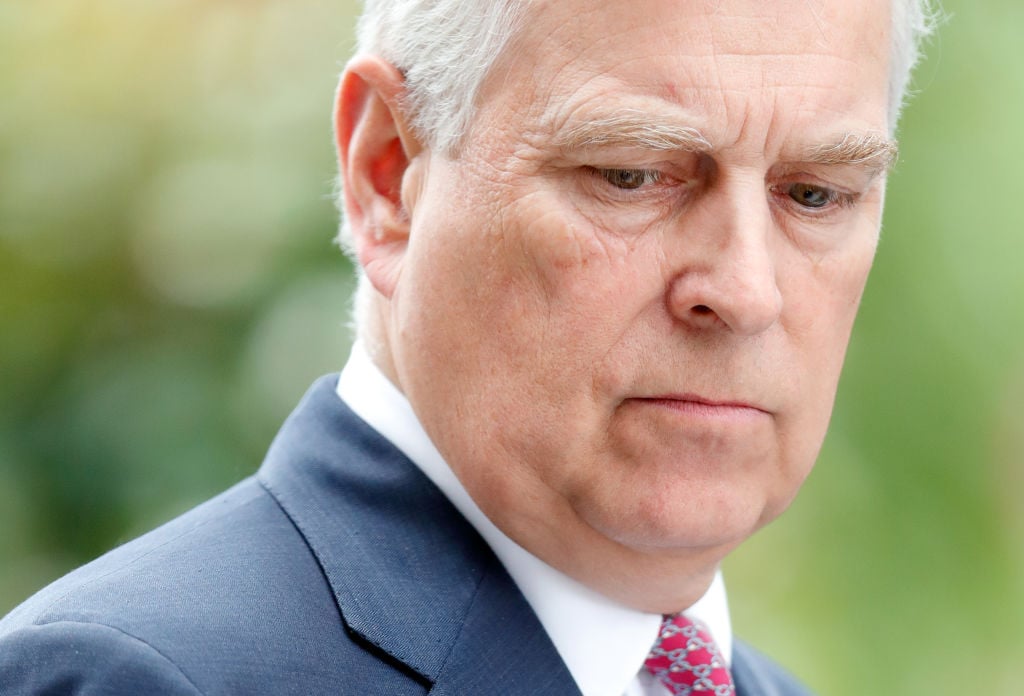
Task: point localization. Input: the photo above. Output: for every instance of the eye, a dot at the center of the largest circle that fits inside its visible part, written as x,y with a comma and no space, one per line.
811,196
629,179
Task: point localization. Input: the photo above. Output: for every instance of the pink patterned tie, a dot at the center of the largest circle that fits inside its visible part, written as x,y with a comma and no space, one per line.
686,660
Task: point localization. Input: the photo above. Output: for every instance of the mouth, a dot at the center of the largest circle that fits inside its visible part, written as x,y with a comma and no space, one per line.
702,407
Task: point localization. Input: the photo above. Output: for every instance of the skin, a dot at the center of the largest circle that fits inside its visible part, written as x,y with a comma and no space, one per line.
628,350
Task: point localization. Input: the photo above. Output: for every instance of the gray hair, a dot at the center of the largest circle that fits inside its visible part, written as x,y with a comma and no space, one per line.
913,21
444,49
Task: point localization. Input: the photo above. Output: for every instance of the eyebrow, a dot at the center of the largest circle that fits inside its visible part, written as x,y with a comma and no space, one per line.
873,151
629,128
633,128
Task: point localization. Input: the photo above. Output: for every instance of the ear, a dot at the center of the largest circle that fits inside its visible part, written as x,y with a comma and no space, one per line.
375,150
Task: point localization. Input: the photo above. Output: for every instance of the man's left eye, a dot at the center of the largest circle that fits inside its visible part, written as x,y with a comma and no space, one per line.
629,179
811,196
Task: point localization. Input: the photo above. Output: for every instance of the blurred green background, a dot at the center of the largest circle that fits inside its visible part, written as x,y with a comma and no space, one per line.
169,287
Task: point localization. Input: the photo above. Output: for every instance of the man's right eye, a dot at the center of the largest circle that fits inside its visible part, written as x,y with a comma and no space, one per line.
629,179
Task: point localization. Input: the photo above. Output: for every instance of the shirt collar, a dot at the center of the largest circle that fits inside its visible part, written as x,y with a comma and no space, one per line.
603,643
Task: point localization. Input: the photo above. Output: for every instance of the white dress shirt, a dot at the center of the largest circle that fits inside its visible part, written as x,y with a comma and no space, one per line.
603,643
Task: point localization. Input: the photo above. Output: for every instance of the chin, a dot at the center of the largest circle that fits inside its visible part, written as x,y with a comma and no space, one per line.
659,527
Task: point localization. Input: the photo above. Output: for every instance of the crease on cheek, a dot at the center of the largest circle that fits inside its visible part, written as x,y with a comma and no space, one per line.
577,240
845,277
559,247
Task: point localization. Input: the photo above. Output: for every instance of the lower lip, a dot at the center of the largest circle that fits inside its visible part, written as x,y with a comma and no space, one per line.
704,410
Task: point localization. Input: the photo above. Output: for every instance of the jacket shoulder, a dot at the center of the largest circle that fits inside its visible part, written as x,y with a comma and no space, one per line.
72,657
227,598
145,577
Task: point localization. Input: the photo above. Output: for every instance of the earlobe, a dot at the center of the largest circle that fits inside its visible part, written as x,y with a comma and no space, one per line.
375,151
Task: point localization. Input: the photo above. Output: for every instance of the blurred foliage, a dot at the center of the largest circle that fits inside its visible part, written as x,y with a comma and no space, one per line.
169,283
169,288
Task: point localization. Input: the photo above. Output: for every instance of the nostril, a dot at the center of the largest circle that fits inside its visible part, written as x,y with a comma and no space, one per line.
701,309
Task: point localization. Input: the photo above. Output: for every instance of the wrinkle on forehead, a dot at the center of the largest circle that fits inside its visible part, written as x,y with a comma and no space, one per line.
687,83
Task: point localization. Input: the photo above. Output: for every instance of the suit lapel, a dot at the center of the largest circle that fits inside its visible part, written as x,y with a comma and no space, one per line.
756,675
743,676
411,577
499,653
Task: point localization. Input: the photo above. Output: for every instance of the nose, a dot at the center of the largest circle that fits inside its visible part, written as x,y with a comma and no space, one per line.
725,272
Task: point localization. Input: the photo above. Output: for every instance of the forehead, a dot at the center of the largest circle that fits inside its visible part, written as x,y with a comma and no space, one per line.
736,70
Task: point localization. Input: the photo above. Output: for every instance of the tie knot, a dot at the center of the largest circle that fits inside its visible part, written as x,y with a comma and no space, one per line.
687,661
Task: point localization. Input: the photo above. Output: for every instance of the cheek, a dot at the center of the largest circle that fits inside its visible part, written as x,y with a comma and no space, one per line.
564,249
513,300
843,286
823,298
820,316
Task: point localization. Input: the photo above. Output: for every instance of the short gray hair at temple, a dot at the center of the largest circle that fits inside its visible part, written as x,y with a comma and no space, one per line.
445,49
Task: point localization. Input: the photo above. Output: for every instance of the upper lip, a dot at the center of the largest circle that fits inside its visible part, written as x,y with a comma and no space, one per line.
705,401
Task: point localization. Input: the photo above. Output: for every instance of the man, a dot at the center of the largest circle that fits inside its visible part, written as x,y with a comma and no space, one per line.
611,257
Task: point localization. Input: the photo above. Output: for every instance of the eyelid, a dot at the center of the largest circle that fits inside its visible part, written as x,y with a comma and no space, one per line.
666,192
650,176
838,199
840,177
659,185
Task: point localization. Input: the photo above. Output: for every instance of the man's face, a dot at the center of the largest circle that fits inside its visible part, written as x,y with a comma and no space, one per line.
624,305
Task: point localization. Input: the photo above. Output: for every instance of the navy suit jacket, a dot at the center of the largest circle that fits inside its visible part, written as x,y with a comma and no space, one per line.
337,569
